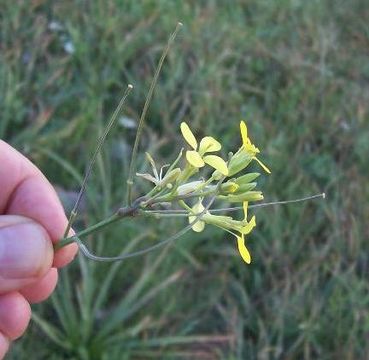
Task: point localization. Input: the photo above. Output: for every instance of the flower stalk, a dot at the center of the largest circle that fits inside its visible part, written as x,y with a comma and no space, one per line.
184,188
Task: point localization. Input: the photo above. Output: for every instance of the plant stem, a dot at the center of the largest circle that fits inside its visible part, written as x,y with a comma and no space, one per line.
143,114
162,215
68,240
101,142
119,215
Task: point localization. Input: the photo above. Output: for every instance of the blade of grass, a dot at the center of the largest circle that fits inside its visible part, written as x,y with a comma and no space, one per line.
51,332
63,304
178,340
65,165
134,292
130,332
103,290
118,316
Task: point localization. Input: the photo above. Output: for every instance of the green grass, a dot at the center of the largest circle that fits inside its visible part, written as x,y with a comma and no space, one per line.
298,72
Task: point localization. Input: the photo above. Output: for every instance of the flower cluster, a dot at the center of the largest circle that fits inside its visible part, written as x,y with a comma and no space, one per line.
225,182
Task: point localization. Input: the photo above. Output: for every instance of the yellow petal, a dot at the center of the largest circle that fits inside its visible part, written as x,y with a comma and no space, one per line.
262,165
245,254
188,135
245,205
251,148
209,144
243,129
194,158
198,226
217,163
246,142
250,225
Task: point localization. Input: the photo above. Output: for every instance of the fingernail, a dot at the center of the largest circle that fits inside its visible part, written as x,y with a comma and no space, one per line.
25,251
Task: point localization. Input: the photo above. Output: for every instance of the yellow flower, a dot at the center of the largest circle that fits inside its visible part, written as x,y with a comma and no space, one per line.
249,147
244,252
227,223
197,157
197,209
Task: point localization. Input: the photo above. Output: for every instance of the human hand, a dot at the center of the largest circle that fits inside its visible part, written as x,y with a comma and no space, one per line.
31,219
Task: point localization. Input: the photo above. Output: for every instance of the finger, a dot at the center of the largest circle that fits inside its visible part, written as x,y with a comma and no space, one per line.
15,314
65,255
42,289
25,191
26,252
4,346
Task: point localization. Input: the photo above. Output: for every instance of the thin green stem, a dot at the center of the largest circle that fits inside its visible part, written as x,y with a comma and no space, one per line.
143,114
236,208
163,215
153,196
101,141
119,215
96,227
206,183
176,161
184,205
153,191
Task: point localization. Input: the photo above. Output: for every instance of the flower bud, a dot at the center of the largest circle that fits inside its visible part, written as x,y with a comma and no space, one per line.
188,188
238,162
246,187
171,176
247,196
224,222
228,187
247,178
217,175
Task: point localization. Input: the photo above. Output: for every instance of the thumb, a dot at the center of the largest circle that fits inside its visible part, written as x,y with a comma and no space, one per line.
26,252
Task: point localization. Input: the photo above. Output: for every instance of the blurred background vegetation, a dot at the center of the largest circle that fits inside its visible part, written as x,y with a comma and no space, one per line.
298,72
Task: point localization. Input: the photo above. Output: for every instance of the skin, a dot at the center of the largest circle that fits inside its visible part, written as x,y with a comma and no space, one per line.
28,200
